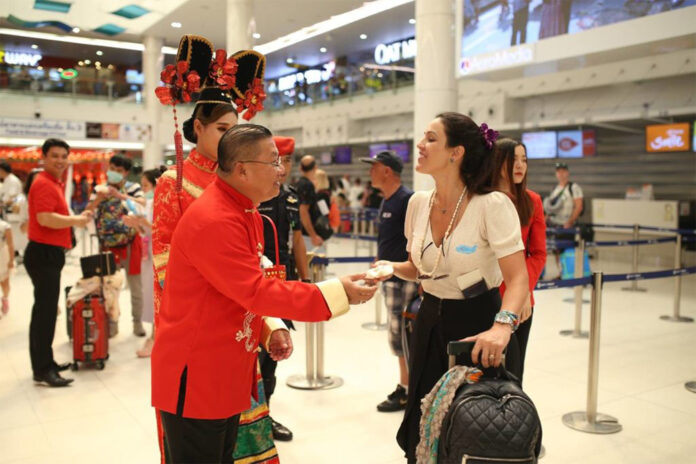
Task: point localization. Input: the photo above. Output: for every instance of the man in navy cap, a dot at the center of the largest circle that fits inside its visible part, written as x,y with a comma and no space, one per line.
385,174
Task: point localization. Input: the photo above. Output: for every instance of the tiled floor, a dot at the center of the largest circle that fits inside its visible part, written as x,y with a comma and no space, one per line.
105,415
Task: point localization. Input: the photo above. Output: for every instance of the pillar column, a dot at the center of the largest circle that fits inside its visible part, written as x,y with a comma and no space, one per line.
153,63
239,20
435,83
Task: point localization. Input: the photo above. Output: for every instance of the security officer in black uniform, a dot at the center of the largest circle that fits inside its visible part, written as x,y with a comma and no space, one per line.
285,213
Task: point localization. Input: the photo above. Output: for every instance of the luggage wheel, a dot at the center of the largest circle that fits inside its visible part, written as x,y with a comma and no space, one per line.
100,365
74,366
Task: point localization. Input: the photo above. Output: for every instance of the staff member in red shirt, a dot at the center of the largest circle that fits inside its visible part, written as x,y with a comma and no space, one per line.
511,166
49,238
204,358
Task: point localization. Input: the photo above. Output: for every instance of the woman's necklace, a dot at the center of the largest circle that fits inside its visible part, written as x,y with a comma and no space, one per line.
429,275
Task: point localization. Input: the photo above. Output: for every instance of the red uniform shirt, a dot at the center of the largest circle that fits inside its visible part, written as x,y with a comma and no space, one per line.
534,238
214,294
47,195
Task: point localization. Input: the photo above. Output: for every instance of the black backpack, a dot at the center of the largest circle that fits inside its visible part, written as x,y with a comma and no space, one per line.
492,421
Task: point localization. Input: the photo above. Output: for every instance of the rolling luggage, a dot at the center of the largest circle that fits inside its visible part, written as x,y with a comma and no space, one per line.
90,329
488,418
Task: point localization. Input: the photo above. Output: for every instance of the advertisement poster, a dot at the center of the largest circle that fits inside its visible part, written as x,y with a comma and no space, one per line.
540,144
667,137
576,144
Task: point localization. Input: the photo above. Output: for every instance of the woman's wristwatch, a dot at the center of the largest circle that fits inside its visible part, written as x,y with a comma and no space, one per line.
508,317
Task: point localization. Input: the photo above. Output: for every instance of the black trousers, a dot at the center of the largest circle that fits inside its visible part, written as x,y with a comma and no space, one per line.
437,323
199,441
267,366
44,264
519,25
522,336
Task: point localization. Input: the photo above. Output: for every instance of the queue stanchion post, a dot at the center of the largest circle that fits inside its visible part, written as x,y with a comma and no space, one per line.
578,271
577,332
314,378
676,317
356,231
590,420
634,264
377,324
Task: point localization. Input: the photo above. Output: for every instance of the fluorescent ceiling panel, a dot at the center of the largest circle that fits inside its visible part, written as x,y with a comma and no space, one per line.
82,40
131,11
335,22
49,5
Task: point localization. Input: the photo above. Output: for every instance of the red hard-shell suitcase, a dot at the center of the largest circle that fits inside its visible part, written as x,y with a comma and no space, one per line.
90,329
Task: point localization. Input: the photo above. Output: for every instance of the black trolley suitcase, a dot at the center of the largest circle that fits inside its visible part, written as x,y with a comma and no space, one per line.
489,422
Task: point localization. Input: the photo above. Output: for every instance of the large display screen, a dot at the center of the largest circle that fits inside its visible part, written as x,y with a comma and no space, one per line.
540,144
576,144
402,150
667,137
491,26
343,155
375,148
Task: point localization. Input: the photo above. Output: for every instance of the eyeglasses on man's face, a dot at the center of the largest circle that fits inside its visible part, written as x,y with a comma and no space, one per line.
276,164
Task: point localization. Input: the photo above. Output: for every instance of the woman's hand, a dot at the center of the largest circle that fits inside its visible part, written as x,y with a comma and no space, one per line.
526,312
488,350
374,278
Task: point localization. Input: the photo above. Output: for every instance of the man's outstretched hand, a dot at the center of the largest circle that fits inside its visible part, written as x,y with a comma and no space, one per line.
280,345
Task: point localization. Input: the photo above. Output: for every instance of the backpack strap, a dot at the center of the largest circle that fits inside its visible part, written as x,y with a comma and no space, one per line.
275,237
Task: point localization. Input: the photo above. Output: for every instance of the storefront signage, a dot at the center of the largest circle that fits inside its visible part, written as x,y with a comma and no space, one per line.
667,137
68,74
395,52
497,60
20,58
311,76
41,129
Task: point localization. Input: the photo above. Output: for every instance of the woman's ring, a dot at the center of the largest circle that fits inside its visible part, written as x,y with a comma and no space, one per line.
491,356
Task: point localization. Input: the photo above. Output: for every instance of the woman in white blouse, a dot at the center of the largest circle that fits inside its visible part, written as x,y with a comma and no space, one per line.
463,242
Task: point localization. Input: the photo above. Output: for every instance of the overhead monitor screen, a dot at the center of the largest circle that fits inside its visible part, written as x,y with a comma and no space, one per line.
492,26
540,144
576,144
375,148
402,150
343,155
667,137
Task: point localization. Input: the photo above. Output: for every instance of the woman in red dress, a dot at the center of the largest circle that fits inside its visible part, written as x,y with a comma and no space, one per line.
511,164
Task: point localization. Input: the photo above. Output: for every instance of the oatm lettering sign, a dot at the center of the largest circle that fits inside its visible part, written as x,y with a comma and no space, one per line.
667,137
19,58
395,52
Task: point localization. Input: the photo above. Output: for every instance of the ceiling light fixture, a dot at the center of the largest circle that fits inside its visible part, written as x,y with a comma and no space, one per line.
100,53
76,30
289,61
256,35
322,49
34,46
176,25
98,63
40,68
88,62
363,36
80,63
82,40
335,22
60,69
412,21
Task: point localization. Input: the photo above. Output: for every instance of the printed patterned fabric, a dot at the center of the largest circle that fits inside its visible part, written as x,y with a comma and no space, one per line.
255,437
109,222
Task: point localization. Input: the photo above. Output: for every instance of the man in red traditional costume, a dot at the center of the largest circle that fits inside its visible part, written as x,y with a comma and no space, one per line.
204,358
223,79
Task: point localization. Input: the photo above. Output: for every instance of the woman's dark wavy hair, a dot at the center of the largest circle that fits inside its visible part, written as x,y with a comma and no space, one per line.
206,113
153,174
504,156
476,170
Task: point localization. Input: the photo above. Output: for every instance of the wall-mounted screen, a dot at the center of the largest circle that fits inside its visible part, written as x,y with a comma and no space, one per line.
667,137
343,155
325,158
540,144
376,148
576,144
402,150
489,27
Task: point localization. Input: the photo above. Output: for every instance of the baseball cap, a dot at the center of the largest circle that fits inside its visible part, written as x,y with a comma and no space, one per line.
562,166
387,158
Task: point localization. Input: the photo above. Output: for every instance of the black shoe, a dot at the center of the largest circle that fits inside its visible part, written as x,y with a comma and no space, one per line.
62,367
52,379
280,432
396,401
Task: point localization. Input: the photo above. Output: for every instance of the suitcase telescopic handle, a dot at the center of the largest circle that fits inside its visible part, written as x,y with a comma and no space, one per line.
456,348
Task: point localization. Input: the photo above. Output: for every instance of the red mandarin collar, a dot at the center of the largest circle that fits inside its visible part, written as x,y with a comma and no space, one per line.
201,161
237,197
52,179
